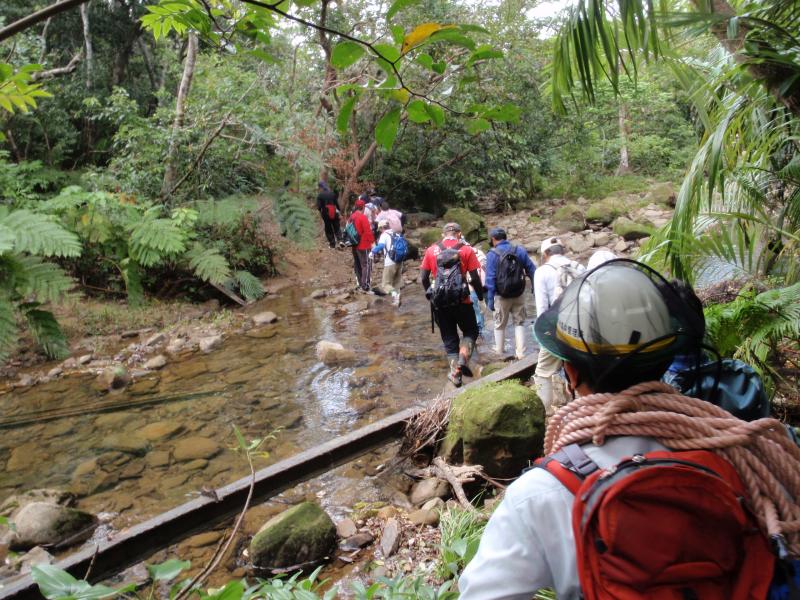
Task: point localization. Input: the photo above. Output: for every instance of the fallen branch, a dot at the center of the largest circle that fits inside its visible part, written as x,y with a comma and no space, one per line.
58,71
445,471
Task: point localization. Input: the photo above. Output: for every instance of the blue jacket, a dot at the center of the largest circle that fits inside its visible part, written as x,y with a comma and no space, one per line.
492,260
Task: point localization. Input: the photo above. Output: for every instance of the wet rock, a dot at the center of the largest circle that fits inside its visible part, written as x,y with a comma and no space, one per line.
208,344
125,442
605,211
69,364
434,504
160,458
196,464
87,467
55,372
356,541
497,425
114,378
333,353
578,244
569,218
132,470
44,523
401,500
161,430
264,318
94,482
429,488
157,362
84,359
195,447
621,246
346,528
24,380
13,503
175,345
156,339
390,537
129,333
492,368
204,539
33,557
317,294
24,457
301,534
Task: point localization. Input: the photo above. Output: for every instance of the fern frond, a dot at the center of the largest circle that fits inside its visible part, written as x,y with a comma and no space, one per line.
40,234
7,239
154,240
296,219
46,331
8,327
227,211
43,280
209,264
249,285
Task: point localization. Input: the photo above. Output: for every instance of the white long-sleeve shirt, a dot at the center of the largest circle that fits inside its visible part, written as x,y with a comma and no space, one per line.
545,281
528,543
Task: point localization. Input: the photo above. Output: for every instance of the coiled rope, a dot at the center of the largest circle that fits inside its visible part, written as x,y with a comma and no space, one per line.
767,460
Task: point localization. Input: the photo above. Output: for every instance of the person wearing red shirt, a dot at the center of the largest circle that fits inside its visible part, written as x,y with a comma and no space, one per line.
460,314
362,265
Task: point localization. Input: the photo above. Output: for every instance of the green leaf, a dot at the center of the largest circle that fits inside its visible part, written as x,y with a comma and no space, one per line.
439,67
436,113
234,590
476,126
7,239
388,52
386,129
55,583
168,570
425,60
397,6
240,439
506,112
343,120
484,52
8,327
398,33
345,54
454,36
416,112
40,234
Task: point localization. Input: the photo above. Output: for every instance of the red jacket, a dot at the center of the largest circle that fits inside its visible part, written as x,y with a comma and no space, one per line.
364,229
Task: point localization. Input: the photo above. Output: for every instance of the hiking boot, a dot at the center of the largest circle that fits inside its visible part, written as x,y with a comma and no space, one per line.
395,298
464,354
455,374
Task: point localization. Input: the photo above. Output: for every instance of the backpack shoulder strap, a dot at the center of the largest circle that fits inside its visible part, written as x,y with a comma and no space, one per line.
441,246
570,465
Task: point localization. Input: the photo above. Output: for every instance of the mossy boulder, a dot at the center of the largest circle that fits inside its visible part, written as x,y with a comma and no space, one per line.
497,425
303,534
569,217
429,236
606,210
473,227
493,368
662,194
631,230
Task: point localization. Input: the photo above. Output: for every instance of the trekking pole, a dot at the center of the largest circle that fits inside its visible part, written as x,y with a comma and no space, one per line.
432,318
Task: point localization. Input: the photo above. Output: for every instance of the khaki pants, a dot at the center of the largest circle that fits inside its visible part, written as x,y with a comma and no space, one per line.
391,280
509,307
549,385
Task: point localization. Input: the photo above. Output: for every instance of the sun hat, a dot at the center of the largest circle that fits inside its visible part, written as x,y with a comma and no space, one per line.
359,204
383,224
622,310
551,241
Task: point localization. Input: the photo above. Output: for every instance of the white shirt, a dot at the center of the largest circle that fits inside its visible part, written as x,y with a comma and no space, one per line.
386,240
528,543
545,281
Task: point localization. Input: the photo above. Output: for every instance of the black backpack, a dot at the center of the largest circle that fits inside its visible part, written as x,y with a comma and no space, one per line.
449,288
510,278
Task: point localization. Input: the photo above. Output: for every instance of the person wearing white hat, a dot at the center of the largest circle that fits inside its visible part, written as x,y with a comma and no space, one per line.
391,280
549,282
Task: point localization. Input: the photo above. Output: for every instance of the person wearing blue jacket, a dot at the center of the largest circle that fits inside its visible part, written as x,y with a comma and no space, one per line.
505,306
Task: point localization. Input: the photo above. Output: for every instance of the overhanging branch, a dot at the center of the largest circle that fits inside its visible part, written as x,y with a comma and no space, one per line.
40,15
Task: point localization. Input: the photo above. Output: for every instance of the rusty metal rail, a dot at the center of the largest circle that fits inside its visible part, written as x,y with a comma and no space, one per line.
140,541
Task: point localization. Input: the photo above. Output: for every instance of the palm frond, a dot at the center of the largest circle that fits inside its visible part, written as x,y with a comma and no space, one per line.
39,234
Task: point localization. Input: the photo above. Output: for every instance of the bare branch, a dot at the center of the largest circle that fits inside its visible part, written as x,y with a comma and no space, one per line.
58,71
40,15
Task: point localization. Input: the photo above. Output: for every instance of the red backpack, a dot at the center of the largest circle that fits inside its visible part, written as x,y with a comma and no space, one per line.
663,526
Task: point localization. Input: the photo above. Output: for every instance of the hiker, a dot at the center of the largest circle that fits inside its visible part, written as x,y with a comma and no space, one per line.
697,526
506,269
449,261
362,265
473,294
371,212
390,243
395,217
328,207
550,280
599,257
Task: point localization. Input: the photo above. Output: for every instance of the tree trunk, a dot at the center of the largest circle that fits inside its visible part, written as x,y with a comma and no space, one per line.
773,76
87,44
329,81
624,132
123,57
170,175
